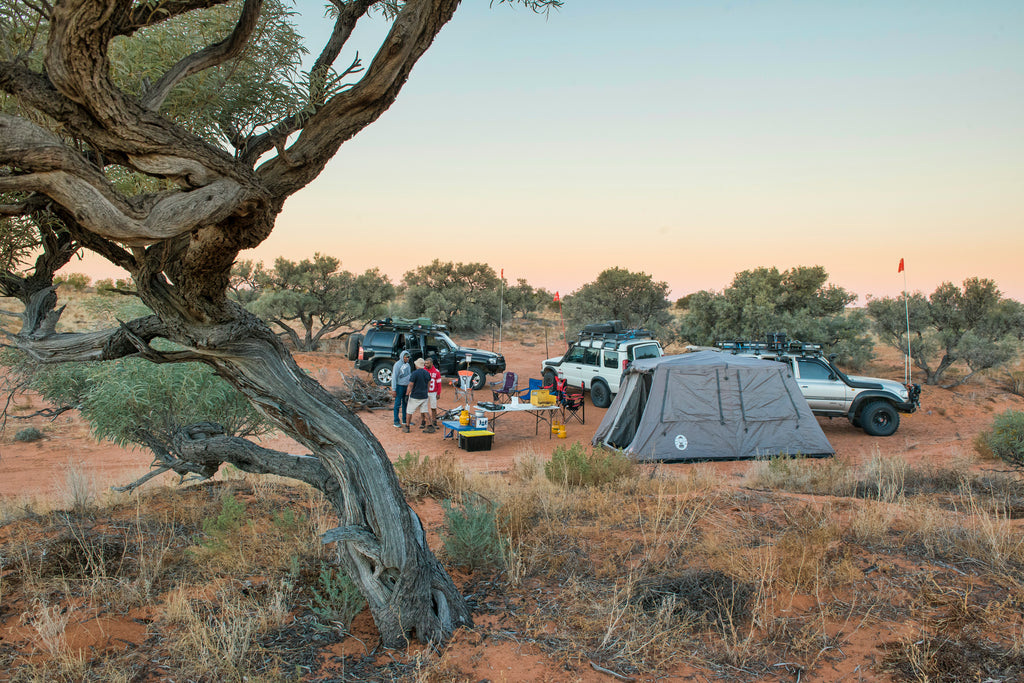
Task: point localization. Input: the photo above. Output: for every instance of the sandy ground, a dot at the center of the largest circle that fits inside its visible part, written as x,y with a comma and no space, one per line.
942,430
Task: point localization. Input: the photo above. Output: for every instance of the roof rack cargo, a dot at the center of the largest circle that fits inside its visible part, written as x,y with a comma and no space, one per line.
409,324
612,332
775,342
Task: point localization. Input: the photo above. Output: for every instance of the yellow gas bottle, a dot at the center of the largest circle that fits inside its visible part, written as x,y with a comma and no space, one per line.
464,417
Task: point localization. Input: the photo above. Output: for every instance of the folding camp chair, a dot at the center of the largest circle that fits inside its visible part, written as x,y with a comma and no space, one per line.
570,400
504,389
532,385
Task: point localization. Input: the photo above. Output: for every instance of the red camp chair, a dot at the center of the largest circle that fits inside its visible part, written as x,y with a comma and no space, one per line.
570,400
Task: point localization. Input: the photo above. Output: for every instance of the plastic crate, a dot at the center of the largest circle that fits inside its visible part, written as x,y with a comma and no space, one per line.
476,440
541,397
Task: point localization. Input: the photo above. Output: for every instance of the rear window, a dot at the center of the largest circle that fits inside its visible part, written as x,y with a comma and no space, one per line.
611,359
380,338
644,351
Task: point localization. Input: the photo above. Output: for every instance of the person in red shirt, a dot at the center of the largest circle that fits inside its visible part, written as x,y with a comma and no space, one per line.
434,390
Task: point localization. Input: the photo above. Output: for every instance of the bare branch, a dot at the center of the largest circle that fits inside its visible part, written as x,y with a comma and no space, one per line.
101,345
348,112
173,215
150,14
348,17
208,57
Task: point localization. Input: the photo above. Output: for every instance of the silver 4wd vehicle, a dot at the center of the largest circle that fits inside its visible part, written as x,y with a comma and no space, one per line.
597,359
870,403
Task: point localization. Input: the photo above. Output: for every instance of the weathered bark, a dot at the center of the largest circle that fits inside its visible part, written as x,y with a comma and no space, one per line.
179,246
384,545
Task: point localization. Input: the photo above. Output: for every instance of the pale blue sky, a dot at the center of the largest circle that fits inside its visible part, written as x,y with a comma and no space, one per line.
691,139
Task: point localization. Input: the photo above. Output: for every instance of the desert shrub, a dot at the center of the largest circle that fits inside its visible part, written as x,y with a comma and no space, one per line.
574,466
471,536
1013,381
230,518
28,435
441,477
335,599
75,281
1004,439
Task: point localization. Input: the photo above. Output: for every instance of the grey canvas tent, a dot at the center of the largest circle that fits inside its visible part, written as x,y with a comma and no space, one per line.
710,406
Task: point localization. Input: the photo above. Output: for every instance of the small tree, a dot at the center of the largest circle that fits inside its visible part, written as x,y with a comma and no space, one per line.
619,294
973,325
248,280
523,299
163,408
796,302
319,297
464,296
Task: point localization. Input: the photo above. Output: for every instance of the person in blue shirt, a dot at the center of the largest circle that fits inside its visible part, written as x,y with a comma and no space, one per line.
400,374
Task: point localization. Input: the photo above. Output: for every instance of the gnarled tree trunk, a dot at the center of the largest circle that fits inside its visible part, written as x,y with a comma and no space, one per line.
384,547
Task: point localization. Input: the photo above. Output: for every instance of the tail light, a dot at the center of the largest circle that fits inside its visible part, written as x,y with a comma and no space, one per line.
624,362
360,356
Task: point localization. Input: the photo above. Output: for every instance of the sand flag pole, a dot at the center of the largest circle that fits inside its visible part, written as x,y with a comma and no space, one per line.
558,299
906,306
501,308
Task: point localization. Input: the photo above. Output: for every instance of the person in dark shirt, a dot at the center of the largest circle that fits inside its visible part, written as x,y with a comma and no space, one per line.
419,385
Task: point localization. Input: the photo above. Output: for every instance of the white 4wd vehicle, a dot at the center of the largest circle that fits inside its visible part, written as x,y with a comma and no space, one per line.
870,403
596,360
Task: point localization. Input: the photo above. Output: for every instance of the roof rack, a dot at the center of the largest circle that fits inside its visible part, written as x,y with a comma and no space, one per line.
409,324
613,338
776,343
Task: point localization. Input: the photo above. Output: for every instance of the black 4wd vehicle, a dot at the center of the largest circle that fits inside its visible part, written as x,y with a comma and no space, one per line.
377,351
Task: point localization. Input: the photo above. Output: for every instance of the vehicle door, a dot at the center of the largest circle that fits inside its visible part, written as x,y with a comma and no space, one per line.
612,363
443,351
821,387
573,366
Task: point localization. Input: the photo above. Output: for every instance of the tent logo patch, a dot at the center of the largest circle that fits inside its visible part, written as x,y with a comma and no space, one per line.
681,442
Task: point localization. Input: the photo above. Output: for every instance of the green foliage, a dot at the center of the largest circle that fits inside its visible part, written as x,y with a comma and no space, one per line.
574,466
618,294
28,435
236,98
229,520
470,534
75,281
314,293
522,299
1005,438
132,401
972,326
336,599
796,302
465,297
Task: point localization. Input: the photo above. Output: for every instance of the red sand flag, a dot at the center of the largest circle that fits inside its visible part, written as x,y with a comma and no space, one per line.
556,297
900,270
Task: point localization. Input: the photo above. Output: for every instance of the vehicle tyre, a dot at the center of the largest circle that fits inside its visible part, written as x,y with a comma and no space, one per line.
879,419
549,378
354,340
382,374
479,377
600,394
